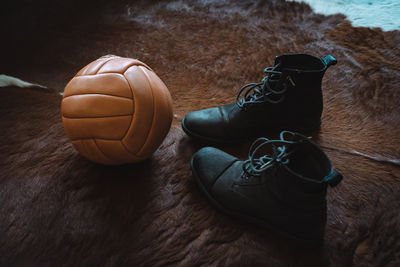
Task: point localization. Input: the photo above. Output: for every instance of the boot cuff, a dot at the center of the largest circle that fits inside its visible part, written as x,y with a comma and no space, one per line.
304,63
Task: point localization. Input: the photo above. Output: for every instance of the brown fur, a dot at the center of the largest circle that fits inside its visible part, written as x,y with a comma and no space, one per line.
58,209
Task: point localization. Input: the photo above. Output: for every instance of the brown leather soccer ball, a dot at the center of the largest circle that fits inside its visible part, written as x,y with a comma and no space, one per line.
116,110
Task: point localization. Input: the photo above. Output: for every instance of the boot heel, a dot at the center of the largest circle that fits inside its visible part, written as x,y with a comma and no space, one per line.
329,60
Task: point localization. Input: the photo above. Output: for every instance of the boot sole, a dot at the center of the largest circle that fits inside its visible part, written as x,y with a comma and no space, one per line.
253,220
205,139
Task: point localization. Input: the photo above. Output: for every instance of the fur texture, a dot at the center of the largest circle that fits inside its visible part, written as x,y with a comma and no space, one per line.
58,209
7,81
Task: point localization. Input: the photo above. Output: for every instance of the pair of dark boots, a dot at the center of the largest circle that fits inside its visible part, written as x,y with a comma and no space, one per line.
282,185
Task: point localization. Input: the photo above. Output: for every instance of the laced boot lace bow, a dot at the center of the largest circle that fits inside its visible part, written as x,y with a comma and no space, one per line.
280,155
262,92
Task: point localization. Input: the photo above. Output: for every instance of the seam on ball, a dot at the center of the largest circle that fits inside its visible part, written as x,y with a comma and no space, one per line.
97,72
101,151
131,98
100,117
133,108
127,150
152,117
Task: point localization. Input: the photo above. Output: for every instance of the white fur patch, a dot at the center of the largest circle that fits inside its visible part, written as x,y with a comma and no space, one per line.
6,80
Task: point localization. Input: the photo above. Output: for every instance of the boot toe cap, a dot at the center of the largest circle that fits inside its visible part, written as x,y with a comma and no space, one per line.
208,164
206,123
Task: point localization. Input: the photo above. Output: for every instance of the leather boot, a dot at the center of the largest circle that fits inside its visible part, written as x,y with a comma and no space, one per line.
283,191
288,97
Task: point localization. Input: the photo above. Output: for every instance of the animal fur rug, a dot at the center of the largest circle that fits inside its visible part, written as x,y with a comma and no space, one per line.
58,209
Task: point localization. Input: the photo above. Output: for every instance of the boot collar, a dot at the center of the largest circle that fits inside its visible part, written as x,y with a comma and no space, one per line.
300,63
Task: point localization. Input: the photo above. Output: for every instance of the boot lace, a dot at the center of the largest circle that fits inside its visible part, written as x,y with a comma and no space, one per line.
280,154
262,92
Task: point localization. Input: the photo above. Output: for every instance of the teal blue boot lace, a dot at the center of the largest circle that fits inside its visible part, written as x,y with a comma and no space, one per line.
280,154
263,92
281,150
